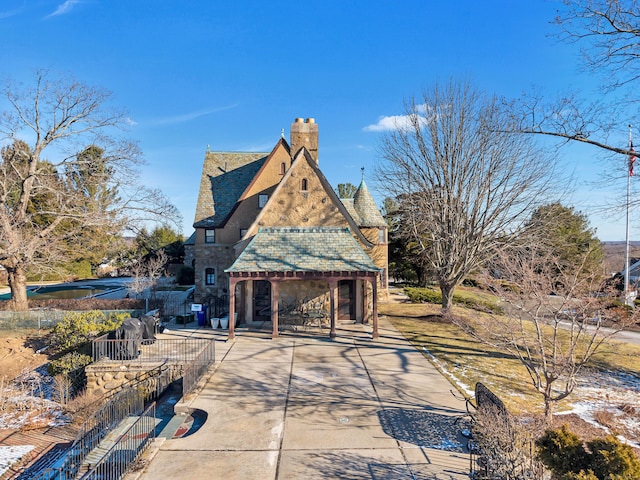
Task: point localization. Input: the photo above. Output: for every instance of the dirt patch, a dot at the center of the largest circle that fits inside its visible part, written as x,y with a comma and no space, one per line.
19,352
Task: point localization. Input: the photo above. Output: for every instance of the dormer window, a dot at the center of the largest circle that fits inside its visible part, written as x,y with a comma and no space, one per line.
209,235
262,200
304,185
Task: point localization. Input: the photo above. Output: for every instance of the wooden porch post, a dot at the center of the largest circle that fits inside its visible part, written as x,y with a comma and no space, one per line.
365,303
274,307
232,308
374,284
333,290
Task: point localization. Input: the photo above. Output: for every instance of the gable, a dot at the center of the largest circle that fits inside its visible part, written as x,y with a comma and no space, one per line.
304,198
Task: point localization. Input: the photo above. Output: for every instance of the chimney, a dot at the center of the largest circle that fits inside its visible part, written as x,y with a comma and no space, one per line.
304,133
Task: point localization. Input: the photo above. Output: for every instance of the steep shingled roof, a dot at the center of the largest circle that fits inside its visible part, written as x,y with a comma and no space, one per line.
225,176
366,208
293,249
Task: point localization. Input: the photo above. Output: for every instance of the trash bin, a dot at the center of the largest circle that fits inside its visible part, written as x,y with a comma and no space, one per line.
201,318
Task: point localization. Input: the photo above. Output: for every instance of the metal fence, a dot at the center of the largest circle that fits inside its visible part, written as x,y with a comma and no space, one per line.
170,350
134,440
124,404
195,369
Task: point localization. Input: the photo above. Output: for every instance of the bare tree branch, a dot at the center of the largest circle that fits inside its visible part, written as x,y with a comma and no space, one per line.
89,184
461,183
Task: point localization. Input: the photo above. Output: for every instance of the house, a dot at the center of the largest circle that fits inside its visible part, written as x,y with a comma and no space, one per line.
634,271
274,243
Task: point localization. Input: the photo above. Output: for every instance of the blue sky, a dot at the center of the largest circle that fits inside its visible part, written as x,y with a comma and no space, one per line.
232,74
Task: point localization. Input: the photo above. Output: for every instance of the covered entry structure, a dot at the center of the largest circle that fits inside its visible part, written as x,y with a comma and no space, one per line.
322,266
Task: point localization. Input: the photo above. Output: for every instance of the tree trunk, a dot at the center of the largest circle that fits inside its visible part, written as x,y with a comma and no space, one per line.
446,290
548,408
18,285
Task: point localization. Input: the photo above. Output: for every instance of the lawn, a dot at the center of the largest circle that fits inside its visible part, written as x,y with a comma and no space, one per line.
466,361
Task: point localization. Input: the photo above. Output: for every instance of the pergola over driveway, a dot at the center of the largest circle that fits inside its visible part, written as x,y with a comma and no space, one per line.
280,254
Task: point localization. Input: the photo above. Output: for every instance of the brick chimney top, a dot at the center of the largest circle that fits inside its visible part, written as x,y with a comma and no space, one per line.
304,133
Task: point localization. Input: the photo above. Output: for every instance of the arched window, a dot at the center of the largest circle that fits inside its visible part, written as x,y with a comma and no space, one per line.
283,168
209,276
304,185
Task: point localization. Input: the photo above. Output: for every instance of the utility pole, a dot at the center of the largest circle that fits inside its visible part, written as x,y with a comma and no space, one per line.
629,296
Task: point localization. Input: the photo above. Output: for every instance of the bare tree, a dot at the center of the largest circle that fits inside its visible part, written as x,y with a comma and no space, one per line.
554,321
608,34
89,181
147,273
461,184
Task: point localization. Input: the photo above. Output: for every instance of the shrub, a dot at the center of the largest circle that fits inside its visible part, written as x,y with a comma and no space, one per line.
423,295
70,366
561,451
613,460
77,329
604,458
429,295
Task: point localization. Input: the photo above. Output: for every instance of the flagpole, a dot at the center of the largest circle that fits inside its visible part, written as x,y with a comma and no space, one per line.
627,296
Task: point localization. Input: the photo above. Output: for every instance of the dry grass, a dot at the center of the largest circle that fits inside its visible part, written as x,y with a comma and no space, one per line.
83,406
471,361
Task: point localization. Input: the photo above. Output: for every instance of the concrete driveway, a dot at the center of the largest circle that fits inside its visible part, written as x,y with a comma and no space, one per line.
305,406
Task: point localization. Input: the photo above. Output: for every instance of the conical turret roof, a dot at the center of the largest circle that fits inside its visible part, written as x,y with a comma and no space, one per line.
366,208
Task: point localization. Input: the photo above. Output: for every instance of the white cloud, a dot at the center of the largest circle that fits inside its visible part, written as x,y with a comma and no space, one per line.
9,13
187,117
130,121
393,122
65,7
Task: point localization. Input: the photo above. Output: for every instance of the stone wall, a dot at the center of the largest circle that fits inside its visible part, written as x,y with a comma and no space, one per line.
103,377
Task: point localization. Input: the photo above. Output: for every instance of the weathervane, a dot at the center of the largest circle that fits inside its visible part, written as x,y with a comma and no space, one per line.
362,169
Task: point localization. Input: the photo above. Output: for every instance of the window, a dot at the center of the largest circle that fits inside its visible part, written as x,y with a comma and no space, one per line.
283,168
304,185
209,276
262,200
381,236
209,235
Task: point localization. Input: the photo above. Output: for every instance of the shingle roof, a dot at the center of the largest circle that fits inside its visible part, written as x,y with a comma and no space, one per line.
225,176
191,240
292,249
348,204
365,206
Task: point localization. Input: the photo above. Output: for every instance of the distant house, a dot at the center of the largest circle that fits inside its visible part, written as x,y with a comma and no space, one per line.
272,239
634,271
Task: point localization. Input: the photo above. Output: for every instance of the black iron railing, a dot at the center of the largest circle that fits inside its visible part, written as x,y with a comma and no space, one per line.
170,350
125,448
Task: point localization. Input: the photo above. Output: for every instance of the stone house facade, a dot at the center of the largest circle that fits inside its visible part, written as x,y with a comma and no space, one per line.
274,243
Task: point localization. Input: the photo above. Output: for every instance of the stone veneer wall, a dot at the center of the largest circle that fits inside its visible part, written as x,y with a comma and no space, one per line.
102,377
215,256
308,294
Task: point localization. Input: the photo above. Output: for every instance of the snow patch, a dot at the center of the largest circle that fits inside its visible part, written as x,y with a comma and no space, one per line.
12,454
